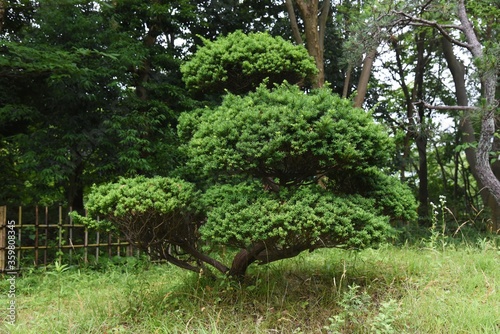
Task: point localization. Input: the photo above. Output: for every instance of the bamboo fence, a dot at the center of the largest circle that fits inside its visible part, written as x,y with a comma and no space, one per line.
46,234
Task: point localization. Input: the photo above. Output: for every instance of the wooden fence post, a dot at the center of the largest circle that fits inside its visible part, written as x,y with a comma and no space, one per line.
59,236
46,243
37,235
3,235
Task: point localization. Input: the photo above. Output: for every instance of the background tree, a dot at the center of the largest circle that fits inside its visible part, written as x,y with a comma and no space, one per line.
369,26
483,47
89,94
414,70
220,18
314,19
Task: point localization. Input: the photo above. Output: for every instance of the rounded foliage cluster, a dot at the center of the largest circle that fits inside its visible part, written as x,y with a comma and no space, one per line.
304,218
285,134
239,62
151,212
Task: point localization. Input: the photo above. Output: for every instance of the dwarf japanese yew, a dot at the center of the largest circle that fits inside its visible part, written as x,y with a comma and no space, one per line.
279,172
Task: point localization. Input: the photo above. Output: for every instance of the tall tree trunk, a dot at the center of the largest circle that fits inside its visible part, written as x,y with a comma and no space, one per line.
466,129
409,110
347,81
314,26
415,131
364,78
322,19
489,81
293,23
421,132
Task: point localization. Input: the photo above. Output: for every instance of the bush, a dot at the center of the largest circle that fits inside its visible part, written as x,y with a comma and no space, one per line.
279,172
285,134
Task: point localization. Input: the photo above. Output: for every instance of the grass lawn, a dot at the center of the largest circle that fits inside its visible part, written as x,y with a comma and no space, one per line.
407,289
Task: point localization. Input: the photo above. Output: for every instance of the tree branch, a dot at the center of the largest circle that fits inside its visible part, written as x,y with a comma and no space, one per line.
205,258
430,106
269,256
181,264
323,17
419,22
293,23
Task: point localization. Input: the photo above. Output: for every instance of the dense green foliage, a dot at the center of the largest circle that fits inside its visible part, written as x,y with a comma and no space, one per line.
285,134
239,62
155,213
77,107
293,219
281,171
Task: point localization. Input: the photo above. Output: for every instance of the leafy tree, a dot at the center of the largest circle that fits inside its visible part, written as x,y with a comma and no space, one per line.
88,93
213,19
280,172
52,99
476,33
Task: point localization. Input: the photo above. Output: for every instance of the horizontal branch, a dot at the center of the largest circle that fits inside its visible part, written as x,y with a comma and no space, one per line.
419,22
430,106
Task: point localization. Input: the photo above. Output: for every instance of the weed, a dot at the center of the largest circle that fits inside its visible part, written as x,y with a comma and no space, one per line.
438,217
356,314
58,269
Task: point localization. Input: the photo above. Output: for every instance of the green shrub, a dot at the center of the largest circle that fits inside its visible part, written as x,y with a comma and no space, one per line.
278,172
292,220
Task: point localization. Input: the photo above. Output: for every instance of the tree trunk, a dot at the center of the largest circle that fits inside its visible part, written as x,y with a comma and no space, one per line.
243,259
347,81
293,23
144,72
74,192
423,180
314,26
489,82
409,111
322,19
421,132
364,78
466,129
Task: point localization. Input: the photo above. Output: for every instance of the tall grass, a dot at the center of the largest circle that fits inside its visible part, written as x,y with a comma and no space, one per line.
404,289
